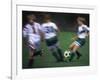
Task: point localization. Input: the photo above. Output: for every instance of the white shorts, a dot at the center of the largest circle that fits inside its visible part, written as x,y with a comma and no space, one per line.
34,44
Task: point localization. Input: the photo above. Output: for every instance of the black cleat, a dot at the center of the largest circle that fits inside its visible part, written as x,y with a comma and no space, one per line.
78,57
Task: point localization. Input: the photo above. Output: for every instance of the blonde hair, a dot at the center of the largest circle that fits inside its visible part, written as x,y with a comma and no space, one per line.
83,20
31,16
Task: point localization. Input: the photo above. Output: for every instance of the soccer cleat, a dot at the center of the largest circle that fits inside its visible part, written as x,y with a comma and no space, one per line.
78,57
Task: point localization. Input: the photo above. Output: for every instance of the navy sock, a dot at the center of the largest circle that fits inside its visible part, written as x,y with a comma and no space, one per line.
55,55
60,54
78,53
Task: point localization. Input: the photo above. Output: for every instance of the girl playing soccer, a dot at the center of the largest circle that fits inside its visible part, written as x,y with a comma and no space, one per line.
32,32
50,30
82,33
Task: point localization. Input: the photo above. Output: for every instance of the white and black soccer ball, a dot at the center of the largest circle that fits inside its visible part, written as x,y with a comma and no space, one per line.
67,54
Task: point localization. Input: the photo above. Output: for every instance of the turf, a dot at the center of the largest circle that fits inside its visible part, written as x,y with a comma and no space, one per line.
47,60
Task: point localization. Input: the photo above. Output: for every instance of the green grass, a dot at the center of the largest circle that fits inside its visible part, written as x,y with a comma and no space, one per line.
47,60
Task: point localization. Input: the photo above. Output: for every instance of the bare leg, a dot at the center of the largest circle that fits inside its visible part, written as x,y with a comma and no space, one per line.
71,46
31,57
75,48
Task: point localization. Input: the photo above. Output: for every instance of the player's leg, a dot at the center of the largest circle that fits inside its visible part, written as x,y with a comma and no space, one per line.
32,50
71,46
57,47
38,51
80,42
78,54
59,51
54,53
73,52
51,45
31,57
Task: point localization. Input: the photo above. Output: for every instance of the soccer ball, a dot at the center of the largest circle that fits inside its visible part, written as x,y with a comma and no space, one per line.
67,54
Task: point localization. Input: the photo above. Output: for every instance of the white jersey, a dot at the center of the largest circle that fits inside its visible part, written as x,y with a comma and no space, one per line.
32,31
82,31
49,29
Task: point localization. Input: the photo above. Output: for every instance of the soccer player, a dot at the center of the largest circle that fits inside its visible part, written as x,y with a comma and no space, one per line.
32,32
50,34
80,38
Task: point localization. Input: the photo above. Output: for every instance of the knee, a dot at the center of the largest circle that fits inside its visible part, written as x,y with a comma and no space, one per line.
73,51
31,54
70,47
30,57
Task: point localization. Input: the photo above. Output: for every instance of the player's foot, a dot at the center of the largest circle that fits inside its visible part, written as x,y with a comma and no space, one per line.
78,57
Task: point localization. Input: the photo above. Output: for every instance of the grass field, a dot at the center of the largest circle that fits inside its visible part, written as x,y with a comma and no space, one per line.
47,60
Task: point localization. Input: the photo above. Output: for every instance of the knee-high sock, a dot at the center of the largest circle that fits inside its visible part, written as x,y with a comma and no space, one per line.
78,53
55,55
30,63
60,53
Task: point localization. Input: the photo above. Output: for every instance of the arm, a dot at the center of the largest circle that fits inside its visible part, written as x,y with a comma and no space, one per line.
56,29
87,28
87,34
41,33
25,31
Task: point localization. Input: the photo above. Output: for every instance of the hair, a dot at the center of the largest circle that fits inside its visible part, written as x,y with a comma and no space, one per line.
47,17
31,16
83,20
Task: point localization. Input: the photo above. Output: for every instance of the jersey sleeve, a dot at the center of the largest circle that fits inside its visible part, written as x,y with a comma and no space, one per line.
87,28
40,27
55,26
25,31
